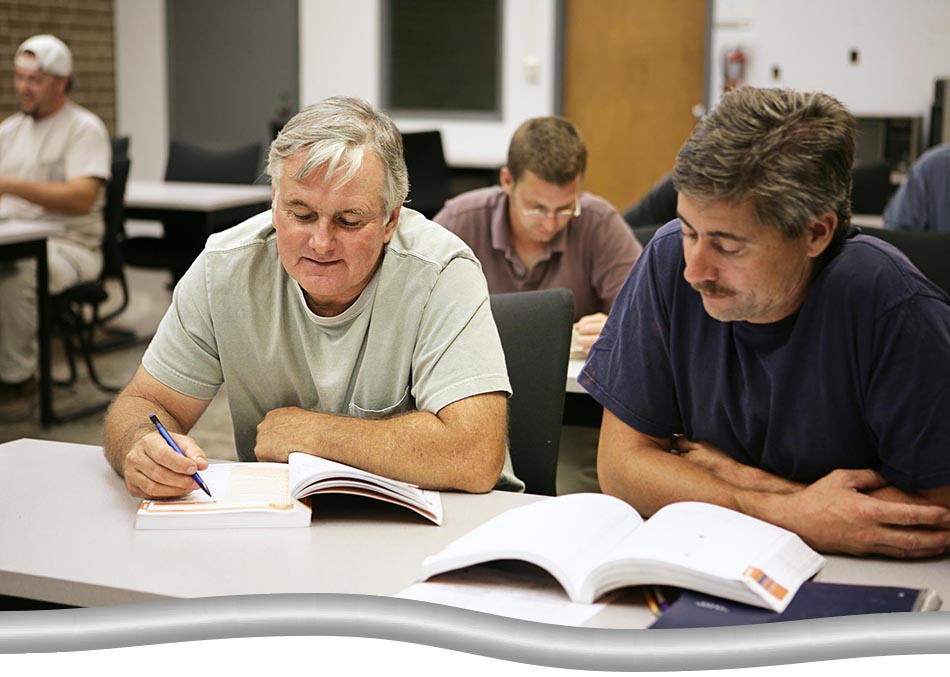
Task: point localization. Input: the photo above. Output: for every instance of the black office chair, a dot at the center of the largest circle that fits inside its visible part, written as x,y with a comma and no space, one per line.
655,208
181,243
645,233
429,175
120,147
535,330
76,312
871,188
930,252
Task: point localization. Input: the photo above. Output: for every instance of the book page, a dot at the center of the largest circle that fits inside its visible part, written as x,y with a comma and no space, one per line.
234,486
726,545
311,475
505,593
567,536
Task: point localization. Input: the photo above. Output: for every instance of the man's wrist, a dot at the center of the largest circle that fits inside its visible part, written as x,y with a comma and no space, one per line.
764,505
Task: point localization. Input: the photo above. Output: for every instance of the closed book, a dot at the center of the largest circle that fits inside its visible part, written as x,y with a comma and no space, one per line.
814,600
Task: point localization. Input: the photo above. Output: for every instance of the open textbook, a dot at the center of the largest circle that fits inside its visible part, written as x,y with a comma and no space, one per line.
269,495
593,543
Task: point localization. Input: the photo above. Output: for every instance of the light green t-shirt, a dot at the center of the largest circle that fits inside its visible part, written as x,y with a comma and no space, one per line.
419,337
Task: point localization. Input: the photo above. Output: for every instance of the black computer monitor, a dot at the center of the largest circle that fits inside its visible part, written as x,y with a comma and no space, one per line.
894,140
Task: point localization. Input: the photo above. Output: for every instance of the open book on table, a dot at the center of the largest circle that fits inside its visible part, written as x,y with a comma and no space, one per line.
593,543
269,495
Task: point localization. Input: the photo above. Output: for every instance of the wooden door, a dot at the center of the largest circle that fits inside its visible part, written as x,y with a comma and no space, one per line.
633,71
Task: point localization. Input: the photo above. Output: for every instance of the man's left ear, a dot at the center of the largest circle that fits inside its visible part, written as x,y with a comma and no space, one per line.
391,224
820,233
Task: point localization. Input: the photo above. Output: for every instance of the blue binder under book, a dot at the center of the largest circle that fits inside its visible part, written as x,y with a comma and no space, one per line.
813,600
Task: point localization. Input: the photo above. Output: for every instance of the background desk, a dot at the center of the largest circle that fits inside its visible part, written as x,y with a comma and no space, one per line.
870,220
23,239
67,536
574,366
206,205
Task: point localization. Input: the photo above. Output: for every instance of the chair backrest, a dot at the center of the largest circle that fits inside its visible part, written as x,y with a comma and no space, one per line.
535,330
655,208
929,251
645,233
429,175
113,215
188,162
871,188
120,146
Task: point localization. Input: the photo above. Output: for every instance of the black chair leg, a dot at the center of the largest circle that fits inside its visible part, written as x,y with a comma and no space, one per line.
86,347
113,338
76,335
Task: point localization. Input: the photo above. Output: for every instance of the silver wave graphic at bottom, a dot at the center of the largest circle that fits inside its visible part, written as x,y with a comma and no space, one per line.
472,632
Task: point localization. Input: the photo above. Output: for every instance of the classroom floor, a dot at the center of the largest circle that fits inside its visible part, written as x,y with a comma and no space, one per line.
149,298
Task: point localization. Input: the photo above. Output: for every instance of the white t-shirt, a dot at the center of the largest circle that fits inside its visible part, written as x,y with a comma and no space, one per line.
69,144
419,337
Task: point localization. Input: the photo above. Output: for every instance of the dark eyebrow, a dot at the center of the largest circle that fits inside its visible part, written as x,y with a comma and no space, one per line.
721,234
568,205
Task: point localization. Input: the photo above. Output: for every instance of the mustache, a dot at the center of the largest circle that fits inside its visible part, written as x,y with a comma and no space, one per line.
712,288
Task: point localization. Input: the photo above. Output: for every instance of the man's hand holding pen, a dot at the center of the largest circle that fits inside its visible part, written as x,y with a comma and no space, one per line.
153,469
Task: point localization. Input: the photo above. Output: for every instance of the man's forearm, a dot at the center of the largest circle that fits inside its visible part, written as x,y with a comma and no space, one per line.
126,422
436,452
650,478
70,197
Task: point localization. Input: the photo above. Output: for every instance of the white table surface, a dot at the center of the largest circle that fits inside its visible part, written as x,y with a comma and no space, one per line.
574,366
67,536
870,220
22,231
192,196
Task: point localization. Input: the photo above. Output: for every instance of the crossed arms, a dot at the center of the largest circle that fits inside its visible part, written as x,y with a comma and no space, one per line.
847,511
462,446
75,196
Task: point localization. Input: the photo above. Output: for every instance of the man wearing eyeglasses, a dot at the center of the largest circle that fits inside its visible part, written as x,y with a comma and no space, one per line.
537,230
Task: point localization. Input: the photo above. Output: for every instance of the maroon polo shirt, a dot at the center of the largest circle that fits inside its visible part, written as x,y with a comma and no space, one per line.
591,256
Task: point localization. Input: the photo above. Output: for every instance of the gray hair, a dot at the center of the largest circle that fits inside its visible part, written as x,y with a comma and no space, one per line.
336,133
790,152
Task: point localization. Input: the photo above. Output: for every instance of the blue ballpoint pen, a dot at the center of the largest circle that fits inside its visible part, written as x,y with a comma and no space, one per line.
168,438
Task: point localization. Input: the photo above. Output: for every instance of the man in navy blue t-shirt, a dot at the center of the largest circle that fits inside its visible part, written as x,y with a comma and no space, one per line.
765,356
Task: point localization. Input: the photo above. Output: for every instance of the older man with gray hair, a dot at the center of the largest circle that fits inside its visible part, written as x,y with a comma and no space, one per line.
344,325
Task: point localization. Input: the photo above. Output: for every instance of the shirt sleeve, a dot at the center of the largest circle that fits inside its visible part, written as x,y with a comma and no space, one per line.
613,257
628,370
908,394
183,354
458,352
906,210
89,152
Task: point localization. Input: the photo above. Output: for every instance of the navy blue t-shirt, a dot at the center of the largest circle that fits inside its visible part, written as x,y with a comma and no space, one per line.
859,377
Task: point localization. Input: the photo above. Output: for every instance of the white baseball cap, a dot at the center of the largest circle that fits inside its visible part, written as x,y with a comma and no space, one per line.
50,55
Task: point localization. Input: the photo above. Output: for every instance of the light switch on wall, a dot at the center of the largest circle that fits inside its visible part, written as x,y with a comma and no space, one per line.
532,69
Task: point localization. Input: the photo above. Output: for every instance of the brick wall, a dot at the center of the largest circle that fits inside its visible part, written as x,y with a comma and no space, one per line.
84,25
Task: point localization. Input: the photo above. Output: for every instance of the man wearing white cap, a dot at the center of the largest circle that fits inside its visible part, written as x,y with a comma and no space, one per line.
55,159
